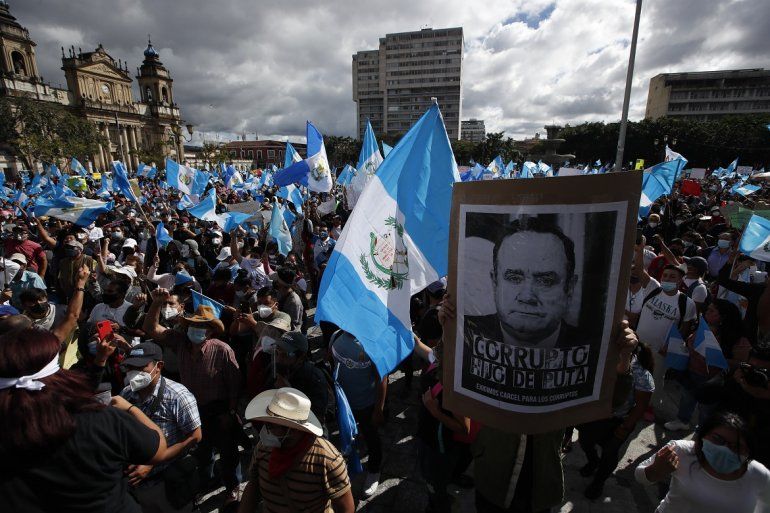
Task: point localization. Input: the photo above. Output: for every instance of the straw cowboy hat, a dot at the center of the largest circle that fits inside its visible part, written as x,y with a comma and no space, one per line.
286,407
205,315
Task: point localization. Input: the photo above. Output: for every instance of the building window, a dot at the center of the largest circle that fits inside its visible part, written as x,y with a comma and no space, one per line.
148,94
251,154
271,153
259,154
233,153
19,67
164,94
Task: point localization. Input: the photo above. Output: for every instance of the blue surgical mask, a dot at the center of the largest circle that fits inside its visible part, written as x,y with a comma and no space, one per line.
196,335
721,458
92,348
668,286
723,244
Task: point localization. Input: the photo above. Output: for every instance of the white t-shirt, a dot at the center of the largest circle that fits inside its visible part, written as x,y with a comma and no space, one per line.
700,292
659,313
634,300
693,490
103,312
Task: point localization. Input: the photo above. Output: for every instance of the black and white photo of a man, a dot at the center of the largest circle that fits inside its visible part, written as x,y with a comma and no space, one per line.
533,278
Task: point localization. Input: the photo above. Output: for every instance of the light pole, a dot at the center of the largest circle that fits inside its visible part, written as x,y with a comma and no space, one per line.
627,96
176,133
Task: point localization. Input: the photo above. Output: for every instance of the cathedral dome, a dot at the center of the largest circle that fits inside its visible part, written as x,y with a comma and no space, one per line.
150,52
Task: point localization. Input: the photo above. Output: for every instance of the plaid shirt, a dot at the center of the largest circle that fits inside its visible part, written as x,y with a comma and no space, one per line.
177,414
211,374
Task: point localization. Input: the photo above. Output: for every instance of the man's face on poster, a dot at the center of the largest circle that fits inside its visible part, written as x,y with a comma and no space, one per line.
532,287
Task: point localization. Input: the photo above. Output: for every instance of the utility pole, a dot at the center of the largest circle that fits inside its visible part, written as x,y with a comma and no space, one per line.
627,96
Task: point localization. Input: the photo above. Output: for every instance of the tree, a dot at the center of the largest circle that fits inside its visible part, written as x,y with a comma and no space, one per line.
342,150
213,153
149,154
46,132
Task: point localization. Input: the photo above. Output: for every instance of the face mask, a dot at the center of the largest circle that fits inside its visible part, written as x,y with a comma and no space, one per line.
138,380
144,235
652,225
92,348
81,236
185,225
324,235
19,237
668,286
39,308
264,311
268,439
196,335
723,244
116,235
687,243
185,251
216,241
109,298
168,313
721,458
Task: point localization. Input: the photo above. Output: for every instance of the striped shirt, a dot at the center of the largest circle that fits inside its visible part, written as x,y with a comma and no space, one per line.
317,478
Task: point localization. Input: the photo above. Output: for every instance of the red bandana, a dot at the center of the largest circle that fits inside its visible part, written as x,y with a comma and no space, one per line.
283,458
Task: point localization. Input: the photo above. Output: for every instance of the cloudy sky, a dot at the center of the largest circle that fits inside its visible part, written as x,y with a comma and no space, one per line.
267,66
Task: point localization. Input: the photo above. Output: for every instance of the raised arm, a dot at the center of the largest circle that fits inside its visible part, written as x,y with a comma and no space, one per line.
151,325
75,306
45,237
234,251
644,276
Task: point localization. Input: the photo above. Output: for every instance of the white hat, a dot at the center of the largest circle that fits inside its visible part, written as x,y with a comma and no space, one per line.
18,257
124,270
95,234
286,407
224,254
130,243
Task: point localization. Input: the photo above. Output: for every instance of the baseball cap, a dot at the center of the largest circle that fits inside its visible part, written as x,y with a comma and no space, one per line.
699,263
130,243
437,286
75,244
293,341
18,257
142,354
224,254
284,275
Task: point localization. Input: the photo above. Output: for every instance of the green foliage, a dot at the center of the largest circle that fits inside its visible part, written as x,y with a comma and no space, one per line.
46,132
342,150
151,154
214,153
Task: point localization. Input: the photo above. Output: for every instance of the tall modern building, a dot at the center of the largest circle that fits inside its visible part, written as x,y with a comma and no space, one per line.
473,130
705,95
393,85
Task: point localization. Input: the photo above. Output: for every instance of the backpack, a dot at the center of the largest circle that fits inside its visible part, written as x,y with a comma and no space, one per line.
693,286
682,298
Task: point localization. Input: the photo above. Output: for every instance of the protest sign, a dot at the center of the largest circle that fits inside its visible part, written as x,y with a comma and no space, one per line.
570,171
539,269
697,173
744,170
247,207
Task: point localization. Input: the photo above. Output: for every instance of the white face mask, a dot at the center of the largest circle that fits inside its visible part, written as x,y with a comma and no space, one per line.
652,225
264,311
216,241
268,439
196,335
185,251
168,313
139,380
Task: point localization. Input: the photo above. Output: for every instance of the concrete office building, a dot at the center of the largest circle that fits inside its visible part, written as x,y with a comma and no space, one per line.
393,85
473,130
705,95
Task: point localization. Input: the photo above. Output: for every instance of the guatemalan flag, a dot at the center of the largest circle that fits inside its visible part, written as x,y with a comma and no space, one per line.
291,156
120,181
162,236
528,170
677,355
368,161
79,211
496,166
744,189
291,193
347,174
707,345
179,176
659,181
201,300
386,149
394,245
279,230
313,172
206,210
755,241
77,167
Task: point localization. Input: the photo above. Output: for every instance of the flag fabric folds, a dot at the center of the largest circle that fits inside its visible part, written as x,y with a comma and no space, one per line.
120,181
385,149
368,161
659,181
313,172
707,345
347,426
279,230
206,209
179,177
162,236
199,299
347,174
744,189
79,211
755,241
77,167
677,355
291,193
395,245
291,156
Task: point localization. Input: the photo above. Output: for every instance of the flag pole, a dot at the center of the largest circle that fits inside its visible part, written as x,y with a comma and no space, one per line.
627,96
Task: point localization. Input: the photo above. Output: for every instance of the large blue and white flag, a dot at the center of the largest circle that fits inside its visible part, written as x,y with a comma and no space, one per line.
496,166
528,170
279,230
179,176
393,245
368,161
53,171
509,169
206,210
162,236
105,190
313,172
146,171
79,211
477,172
199,299
120,181
708,346
672,155
291,193
77,167
731,169
200,182
677,355
185,202
232,220
545,169
291,156
755,241
744,189
385,149
659,181
232,177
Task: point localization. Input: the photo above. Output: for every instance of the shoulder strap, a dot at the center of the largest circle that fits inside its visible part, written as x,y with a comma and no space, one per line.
682,308
654,292
158,398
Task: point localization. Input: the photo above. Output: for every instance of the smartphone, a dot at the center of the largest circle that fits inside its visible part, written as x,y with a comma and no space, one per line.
104,330
245,307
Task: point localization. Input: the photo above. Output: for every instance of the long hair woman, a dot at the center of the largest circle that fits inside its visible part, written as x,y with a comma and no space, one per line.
714,472
61,449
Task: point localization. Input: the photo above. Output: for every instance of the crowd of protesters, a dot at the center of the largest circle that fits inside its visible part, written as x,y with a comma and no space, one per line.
118,390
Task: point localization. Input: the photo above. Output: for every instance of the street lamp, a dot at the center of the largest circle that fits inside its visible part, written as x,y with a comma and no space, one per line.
176,134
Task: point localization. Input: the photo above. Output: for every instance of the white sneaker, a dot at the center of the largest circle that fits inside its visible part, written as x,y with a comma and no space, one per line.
676,425
371,483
